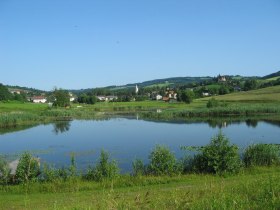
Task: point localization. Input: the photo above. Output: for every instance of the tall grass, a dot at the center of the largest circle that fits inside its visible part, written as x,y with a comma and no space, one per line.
13,119
262,155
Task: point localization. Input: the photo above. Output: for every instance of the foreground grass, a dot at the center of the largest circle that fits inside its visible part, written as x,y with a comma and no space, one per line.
257,188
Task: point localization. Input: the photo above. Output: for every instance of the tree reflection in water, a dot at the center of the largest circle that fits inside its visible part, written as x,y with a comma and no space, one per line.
61,127
252,123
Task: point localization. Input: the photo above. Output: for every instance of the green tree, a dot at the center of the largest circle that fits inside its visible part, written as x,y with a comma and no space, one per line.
250,84
91,100
20,97
186,96
223,90
82,98
4,93
62,98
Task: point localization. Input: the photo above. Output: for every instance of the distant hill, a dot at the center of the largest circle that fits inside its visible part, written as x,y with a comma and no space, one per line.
26,89
276,74
170,81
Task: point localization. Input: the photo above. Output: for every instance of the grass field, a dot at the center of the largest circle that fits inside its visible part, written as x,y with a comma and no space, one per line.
257,188
269,94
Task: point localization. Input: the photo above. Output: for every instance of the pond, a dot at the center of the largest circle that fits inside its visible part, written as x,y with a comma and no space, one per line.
126,138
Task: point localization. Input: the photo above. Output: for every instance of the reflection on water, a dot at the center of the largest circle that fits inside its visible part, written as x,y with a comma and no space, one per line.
220,123
252,123
61,127
127,138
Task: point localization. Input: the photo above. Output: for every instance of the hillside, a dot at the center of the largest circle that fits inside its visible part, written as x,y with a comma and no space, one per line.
268,94
166,82
171,80
269,76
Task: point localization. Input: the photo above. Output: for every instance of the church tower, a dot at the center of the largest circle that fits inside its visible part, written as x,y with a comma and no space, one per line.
136,89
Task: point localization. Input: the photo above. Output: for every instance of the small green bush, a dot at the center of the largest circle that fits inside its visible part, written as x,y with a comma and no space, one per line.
138,168
261,155
28,168
73,168
162,161
4,172
212,103
218,157
49,173
104,169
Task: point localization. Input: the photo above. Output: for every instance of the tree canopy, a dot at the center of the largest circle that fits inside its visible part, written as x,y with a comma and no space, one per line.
62,98
4,93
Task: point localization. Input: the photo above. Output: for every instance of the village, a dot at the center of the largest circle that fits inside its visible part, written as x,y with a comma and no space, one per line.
171,94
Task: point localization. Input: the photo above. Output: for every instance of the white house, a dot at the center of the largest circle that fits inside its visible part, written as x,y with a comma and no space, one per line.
13,91
171,94
158,97
206,94
101,98
111,98
107,98
72,98
38,99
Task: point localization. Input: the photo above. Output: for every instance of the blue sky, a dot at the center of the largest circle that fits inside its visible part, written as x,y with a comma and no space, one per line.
89,43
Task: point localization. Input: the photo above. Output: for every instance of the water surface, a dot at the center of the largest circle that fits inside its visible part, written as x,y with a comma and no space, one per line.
127,138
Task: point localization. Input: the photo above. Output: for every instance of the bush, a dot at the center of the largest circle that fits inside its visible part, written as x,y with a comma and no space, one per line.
49,173
138,168
261,155
4,172
218,157
73,168
104,169
212,103
162,161
28,168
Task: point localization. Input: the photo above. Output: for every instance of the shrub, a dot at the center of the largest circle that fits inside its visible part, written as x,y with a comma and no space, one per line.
218,157
261,155
5,172
138,168
28,168
49,173
73,168
212,103
162,161
104,169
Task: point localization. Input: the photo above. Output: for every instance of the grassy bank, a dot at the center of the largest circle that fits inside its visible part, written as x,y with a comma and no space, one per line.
255,188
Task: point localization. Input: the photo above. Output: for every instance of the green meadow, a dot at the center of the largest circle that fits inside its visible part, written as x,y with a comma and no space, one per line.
264,95
255,188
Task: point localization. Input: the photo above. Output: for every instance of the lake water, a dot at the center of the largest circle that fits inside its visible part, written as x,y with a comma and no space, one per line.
126,138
